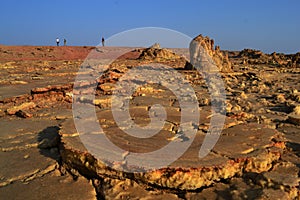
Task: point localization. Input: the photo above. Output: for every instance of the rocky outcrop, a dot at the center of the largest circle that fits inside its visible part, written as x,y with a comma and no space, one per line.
157,54
22,107
156,46
292,60
206,44
294,117
252,56
251,53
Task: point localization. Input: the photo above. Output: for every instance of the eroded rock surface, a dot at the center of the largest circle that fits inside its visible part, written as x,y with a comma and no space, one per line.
252,56
157,54
210,51
256,157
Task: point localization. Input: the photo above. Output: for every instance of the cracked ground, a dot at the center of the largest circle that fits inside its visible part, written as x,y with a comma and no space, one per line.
256,157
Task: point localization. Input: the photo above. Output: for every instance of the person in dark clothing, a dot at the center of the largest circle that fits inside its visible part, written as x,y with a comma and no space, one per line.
102,41
65,42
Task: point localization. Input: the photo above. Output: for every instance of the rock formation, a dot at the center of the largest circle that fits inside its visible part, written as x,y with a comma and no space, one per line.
255,57
294,117
218,58
251,53
155,53
155,46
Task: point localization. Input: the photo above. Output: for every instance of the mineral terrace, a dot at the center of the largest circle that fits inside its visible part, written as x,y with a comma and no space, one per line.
256,157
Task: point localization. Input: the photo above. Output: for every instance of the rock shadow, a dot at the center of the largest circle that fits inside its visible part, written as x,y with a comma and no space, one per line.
295,147
48,142
246,193
281,108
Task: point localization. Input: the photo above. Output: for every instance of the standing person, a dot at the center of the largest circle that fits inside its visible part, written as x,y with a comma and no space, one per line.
102,41
65,42
57,41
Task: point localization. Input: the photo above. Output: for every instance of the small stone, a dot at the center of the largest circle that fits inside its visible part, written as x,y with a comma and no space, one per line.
69,94
243,95
296,110
61,117
236,108
37,78
294,91
107,88
23,114
48,143
228,106
294,117
297,98
204,102
18,82
2,113
280,98
44,144
261,110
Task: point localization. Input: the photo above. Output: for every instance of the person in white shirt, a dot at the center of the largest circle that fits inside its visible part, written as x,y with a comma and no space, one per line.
57,41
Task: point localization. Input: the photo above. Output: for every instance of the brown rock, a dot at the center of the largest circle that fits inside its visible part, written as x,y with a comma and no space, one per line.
297,110
284,173
24,106
280,98
107,88
294,117
51,88
158,54
23,114
156,46
251,54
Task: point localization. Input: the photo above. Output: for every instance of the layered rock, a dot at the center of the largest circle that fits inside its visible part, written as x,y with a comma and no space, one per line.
294,117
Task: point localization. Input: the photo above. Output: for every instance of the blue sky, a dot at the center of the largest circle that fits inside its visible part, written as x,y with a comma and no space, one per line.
268,25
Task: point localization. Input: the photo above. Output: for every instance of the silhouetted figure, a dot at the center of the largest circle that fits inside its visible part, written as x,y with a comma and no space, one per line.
57,41
103,41
65,42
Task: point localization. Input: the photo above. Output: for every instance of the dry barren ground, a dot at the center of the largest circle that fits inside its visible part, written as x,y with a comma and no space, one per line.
256,157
